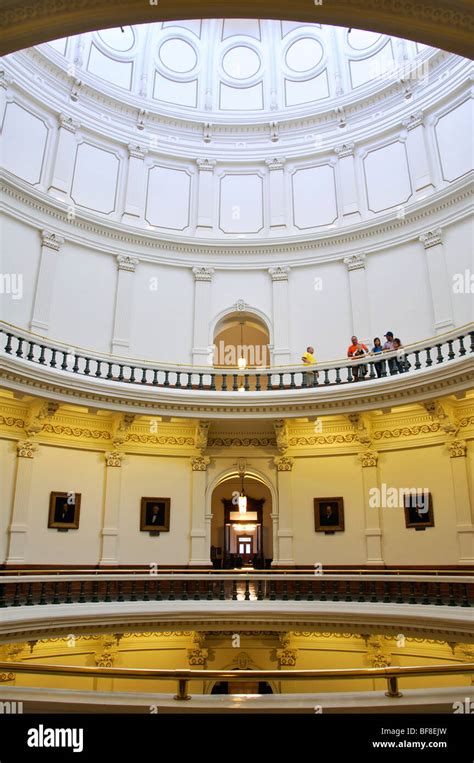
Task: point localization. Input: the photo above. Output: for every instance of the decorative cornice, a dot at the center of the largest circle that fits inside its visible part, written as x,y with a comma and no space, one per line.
114,458
203,274
80,432
238,442
51,240
283,463
395,434
206,165
124,262
355,262
457,448
137,151
432,238
200,463
369,458
277,163
154,440
26,449
326,440
357,234
279,273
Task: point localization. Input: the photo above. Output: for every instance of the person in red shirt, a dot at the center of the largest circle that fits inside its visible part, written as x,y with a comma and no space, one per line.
356,349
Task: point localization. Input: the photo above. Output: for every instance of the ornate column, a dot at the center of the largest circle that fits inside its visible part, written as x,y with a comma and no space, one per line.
200,551
123,304
457,450
26,451
285,558
439,281
373,532
418,161
205,211
347,186
64,160
50,247
281,315
277,192
202,315
359,296
135,191
110,531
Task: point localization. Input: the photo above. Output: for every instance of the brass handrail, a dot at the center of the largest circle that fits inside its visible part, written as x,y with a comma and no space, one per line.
183,676
241,575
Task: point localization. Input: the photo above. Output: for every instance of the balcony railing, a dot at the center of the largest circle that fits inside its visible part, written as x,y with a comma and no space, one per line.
41,352
392,674
389,588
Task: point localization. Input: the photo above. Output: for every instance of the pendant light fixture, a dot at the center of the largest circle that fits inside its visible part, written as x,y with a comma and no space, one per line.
242,363
242,497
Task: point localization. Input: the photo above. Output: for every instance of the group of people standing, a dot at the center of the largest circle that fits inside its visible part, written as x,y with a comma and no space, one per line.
357,349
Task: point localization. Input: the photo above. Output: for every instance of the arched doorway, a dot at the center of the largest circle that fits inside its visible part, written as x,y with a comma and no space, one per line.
241,540
242,687
241,339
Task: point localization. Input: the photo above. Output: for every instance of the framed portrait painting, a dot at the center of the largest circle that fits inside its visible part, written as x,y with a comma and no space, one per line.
64,511
328,515
418,511
155,514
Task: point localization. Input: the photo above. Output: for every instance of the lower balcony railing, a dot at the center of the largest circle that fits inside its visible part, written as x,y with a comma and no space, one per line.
41,352
183,677
36,590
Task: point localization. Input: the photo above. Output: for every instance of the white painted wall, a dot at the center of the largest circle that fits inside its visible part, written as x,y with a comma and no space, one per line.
160,324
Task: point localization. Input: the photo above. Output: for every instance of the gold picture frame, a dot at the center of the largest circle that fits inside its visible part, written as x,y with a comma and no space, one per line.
155,514
64,511
329,515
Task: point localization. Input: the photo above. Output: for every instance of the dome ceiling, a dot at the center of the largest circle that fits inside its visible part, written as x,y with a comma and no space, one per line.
236,67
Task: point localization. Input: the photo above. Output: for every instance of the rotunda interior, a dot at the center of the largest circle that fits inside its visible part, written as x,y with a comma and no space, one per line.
236,367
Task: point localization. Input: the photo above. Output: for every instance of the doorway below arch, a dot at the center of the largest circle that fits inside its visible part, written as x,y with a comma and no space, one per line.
240,338
242,687
241,540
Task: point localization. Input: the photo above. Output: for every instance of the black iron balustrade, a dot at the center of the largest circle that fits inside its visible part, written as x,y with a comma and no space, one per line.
389,588
36,350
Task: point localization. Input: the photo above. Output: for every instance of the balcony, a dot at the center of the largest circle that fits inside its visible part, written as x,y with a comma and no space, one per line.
440,365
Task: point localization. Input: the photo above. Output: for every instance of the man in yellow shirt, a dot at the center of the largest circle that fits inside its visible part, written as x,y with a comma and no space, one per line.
308,357
308,360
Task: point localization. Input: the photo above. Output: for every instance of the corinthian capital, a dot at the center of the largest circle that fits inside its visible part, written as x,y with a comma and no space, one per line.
431,238
203,274
51,240
280,273
124,262
355,262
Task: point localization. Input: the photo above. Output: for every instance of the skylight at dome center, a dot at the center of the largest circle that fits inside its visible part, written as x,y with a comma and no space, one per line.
236,66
